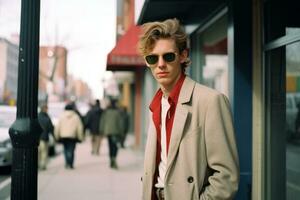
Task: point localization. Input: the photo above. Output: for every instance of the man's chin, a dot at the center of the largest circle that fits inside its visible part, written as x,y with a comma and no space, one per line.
164,82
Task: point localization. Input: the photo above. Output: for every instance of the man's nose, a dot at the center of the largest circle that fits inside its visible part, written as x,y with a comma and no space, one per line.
161,62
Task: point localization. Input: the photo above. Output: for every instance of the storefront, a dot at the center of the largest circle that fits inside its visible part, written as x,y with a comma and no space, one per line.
125,58
249,50
280,65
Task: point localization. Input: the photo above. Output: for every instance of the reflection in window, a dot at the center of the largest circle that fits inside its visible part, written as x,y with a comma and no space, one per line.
215,72
215,56
292,118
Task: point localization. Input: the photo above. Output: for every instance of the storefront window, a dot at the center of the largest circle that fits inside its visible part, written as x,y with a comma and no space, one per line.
214,49
292,118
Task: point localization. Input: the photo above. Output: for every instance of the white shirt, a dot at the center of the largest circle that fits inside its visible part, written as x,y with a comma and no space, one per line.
162,167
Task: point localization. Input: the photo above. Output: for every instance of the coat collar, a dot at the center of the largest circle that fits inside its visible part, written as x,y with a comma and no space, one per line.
173,98
186,90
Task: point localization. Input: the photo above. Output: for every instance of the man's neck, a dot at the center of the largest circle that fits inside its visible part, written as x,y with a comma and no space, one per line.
165,92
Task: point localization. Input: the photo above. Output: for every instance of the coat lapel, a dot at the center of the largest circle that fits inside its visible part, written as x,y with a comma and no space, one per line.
177,131
179,120
150,160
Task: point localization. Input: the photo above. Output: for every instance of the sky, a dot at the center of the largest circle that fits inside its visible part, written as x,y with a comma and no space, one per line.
86,28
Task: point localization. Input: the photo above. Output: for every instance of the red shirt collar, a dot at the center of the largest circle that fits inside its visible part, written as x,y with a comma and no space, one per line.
173,97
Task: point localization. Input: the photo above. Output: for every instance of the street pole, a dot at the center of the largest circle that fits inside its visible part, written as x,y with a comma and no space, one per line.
25,131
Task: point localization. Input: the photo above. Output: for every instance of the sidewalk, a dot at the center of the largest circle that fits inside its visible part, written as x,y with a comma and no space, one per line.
92,178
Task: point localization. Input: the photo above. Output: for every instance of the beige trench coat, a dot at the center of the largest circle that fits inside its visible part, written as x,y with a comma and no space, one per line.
202,160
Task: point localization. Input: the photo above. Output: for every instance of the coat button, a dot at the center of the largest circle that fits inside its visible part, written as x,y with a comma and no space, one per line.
190,179
141,178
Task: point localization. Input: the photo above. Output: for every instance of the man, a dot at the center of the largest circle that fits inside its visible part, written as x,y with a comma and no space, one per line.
92,121
48,128
111,125
69,131
191,150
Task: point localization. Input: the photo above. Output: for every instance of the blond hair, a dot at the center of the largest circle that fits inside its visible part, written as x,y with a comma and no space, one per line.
168,29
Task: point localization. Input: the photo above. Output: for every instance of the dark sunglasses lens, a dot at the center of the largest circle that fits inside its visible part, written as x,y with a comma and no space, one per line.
151,59
169,57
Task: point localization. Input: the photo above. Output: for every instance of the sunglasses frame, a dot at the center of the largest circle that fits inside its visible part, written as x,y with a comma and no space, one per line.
145,58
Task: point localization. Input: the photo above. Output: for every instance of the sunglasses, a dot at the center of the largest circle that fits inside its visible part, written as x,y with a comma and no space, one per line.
152,59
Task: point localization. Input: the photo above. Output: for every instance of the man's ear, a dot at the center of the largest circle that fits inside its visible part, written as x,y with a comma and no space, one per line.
183,55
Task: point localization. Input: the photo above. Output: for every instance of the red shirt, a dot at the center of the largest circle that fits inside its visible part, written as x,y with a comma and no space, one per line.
155,107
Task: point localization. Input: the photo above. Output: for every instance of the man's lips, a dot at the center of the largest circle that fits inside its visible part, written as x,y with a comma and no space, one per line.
162,74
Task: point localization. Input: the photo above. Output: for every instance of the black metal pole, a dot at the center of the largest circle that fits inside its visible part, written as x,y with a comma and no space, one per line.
25,131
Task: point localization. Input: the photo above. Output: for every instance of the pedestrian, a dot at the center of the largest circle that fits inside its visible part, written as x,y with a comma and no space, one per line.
69,131
48,128
125,118
191,150
75,109
111,125
92,121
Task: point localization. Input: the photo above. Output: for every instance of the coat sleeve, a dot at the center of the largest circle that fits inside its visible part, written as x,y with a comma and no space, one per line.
102,122
50,125
221,151
57,131
80,135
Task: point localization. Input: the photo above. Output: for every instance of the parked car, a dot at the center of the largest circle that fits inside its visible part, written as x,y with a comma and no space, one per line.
292,99
7,117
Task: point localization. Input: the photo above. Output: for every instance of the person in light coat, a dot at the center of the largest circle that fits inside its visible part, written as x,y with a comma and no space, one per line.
69,131
191,150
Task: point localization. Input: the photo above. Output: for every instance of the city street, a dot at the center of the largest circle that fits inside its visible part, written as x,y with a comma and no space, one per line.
92,178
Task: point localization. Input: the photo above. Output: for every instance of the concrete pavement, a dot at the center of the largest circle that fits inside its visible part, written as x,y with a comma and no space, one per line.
92,177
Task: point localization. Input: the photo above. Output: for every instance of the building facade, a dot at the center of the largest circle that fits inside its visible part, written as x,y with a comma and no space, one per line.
8,72
52,73
128,67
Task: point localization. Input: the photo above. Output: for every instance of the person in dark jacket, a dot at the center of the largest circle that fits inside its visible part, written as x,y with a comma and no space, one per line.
111,124
92,121
48,128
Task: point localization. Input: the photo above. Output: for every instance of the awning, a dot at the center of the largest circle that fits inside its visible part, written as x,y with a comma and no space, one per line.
124,55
